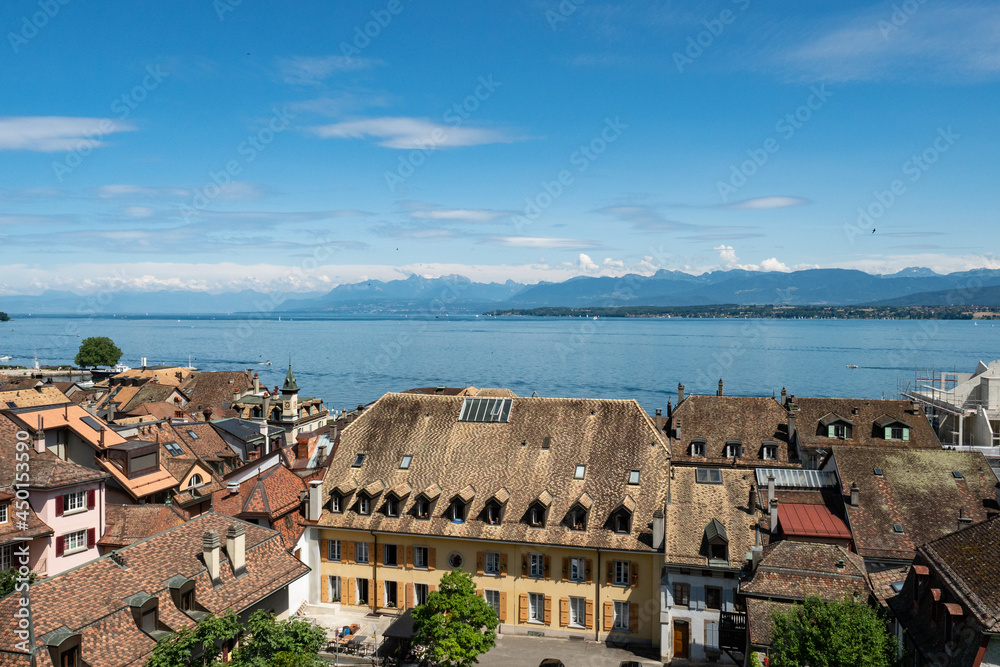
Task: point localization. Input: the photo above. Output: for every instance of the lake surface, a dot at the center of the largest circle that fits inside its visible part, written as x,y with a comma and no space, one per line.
347,361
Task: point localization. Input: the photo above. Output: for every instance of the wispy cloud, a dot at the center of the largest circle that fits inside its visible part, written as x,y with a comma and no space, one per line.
539,242
49,134
461,214
313,70
409,133
764,203
644,218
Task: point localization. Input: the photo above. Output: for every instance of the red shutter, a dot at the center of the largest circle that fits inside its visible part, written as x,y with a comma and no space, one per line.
60,505
91,537
60,542
91,499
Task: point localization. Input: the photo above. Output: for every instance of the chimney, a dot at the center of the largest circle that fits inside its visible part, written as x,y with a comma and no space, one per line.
40,435
670,409
659,412
677,430
719,393
102,436
784,395
211,547
208,414
855,494
770,489
659,529
773,516
752,504
236,548
266,405
680,393
256,384
962,519
915,407
316,502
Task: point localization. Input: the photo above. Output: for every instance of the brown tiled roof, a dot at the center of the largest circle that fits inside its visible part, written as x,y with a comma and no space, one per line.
91,599
969,561
127,524
46,469
69,416
28,397
692,507
494,392
159,409
208,445
610,437
881,583
214,389
151,392
444,391
917,490
796,570
275,494
865,433
718,419
162,375
759,619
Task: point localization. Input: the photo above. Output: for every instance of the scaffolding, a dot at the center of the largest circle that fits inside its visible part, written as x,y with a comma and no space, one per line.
946,408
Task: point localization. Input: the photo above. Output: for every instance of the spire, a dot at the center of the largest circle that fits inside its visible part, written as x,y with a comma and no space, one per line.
290,386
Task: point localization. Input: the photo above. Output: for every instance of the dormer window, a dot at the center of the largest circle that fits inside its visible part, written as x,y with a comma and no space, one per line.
391,506
769,452
578,518
698,447
733,449
364,505
422,509
335,503
195,481
717,540
621,522
493,513
456,511
149,620
536,516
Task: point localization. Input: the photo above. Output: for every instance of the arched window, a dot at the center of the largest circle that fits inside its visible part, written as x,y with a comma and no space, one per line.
195,481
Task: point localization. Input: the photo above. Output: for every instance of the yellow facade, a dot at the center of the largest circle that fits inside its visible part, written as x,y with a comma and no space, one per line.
526,602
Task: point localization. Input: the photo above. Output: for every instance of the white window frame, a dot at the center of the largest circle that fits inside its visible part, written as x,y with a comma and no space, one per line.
698,448
536,566
536,516
420,558
385,593
577,612
334,590
335,503
385,554
333,551
391,507
491,562
77,538
770,452
420,593
361,555
732,450
4,513
621,573
75,501
712,635
492,514
576,569
840,431
621,616
426,505
492,598
364,505
536,608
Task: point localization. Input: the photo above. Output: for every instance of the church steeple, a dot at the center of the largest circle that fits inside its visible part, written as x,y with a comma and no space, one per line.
290,386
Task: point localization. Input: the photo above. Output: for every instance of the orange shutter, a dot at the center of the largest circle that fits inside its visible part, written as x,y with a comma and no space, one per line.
481,593
431,588
633,618
609,615
349,552
633,571
431,558
588,566
546,567
324,549
564,612
548,610
565,570
409,596
378,555
409,558
522,608
324,589
611,572
372,592
480,556
379,596
503,565
349,596
503,606
590,614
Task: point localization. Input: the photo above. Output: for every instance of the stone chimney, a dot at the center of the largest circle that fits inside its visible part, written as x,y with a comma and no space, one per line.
256,383
40,436
677,430
316,500
680,393
102,437
784,395
963,520
752,503
719,392
770,489
855,494
211,550
266,406
208,414
659,529
773,516
236,548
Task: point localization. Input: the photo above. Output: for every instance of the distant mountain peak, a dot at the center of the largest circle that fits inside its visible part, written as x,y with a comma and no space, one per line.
913,272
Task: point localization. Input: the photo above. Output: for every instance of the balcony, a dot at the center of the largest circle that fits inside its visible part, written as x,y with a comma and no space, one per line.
733,631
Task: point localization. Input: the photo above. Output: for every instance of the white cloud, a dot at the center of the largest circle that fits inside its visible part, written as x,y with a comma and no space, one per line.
614,263
139,212
764,203
538,242
464,214
139,191
730,261
586,264
306,70
409,133
48,134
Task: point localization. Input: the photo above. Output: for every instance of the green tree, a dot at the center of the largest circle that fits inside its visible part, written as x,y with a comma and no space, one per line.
831,634
455,625
4,317
98,351
8,581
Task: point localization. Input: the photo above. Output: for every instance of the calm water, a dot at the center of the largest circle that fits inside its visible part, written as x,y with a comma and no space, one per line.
347,361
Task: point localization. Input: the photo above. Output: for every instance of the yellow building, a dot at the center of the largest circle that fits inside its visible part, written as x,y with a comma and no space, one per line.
553,505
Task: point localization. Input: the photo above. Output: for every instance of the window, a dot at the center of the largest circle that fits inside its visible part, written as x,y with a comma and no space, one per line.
76,541
391,507
405,463
423,508
712,635
334,589
358,460
633,477
391,594
493,513
535,565
364,505
547,442
457,511
70,657
3,512
733,448
576,567
580,472
536,607
622,521
577,612
491,565
173,449
708,476
187,600
335,503
897,528
333,550
682,595
420,557
6,557
718,552
195,481
578,518
621,572
455,560
621,616
770,452
713,597
898,433
75,501
194,436
493,600
697,448
149,620
389,555
360,552
536,516
361,588
485,410
420,593
839,431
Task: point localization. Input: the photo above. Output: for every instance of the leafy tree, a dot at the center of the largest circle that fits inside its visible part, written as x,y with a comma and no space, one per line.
98,351
8,581
4,317
455,625
831,634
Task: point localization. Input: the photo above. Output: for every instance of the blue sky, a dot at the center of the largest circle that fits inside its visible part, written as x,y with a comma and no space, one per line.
295,146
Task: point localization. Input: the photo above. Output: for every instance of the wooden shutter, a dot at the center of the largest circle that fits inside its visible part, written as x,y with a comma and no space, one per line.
588,567
522,608
431,588
409,558
564,612
379,553
727,599
60,505
379,594
611,572
503,565
502,616
546,567
565,569
348,595
324,550
431,558
371,592
91,537
480,557
906,433
348,552
633,571
91,499
481,593
408,602
633,618
609,615
590,614
60,544
324,589
548,610
829,431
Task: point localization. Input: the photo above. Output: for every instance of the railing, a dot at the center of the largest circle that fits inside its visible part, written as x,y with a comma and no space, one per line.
732,630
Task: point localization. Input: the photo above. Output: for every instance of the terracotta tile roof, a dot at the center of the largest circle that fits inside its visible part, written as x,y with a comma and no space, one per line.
796,570
91,600
810,520
151,392
759,619
47,469
444,391
69,416
694,505
127,524
29,397
140,487
719,419
610,437
863,413
214,389
275,494
969,561
493,392
881,582
206,443
160,410
162,374
917,490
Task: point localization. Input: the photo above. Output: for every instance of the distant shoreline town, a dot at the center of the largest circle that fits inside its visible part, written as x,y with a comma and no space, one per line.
726,311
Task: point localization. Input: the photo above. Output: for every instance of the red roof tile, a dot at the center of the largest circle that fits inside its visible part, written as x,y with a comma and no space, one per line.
811,521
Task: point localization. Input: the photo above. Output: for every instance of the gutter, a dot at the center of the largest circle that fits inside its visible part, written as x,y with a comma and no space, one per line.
597,599
373,559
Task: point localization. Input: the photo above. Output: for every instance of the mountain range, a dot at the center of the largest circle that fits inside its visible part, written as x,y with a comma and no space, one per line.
458,294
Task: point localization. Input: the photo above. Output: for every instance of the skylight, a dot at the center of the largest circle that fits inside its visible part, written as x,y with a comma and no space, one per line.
485,410
633,477
878,472
405,463
173,448
708,476
359,459
580,472
194,436
957,474
897,528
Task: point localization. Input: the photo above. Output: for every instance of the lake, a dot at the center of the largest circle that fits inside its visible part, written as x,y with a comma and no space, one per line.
352,360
